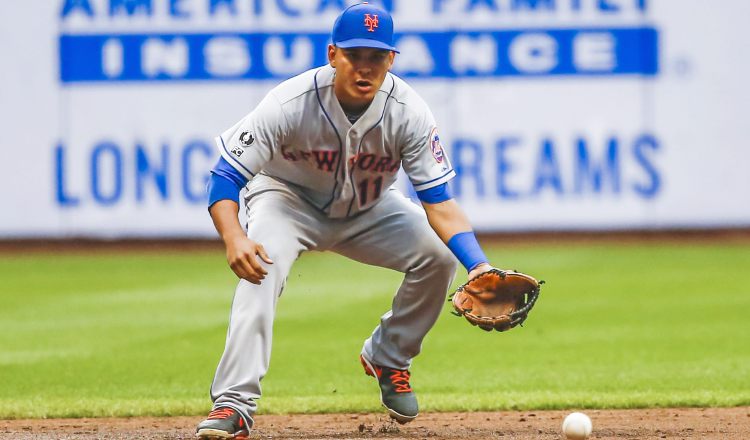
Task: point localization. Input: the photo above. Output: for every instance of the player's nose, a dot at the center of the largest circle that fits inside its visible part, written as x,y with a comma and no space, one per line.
364,70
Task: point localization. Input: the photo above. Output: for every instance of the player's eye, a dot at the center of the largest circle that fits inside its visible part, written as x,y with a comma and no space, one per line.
379,56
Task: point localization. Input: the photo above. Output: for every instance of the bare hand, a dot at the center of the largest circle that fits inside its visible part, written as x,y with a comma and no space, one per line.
482,268
241,256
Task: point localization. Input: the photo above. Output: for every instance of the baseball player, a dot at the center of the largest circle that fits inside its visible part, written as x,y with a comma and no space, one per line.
319,156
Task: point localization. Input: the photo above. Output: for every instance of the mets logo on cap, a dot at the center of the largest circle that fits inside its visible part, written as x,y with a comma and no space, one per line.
364,25
371,22
435,146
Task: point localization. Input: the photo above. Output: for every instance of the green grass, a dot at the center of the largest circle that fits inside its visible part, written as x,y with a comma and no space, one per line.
140,334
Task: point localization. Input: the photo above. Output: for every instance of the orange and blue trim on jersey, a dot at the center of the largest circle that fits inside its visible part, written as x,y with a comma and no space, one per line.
448,173
224,146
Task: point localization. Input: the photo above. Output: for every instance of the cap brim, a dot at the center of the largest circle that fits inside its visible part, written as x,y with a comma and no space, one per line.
364,42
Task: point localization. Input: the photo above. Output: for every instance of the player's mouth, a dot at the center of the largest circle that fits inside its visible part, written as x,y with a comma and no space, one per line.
363,86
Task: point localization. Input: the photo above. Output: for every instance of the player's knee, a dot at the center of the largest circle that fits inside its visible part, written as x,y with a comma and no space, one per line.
282,252
441,260
441,270
447,261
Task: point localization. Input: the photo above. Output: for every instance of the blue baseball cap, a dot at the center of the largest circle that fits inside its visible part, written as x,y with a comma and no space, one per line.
364,25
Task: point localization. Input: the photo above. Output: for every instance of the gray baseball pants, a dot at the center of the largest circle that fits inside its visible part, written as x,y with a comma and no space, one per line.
393,234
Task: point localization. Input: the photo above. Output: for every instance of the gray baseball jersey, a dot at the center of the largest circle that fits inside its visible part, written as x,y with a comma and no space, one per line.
311,170
299,134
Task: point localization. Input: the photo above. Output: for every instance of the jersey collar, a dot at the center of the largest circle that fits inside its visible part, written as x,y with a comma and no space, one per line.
369,118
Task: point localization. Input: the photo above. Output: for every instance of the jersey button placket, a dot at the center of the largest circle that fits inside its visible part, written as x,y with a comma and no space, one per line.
351,161
338,208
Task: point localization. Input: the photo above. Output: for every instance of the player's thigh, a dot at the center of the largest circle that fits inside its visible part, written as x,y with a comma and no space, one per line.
395,234
283,223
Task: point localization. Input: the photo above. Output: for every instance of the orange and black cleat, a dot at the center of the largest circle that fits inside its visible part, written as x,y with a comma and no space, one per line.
223,423
396,394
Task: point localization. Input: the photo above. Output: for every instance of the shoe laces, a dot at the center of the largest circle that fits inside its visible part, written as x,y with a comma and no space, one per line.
221,413
400,379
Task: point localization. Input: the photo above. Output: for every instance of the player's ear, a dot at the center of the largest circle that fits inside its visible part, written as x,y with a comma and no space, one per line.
332,55
391,58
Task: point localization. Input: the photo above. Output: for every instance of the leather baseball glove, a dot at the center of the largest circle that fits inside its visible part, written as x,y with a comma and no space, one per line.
496,299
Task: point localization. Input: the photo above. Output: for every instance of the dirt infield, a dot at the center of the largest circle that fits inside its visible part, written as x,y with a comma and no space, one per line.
682,423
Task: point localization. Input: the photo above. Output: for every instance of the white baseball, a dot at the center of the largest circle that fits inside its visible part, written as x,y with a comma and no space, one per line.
577,426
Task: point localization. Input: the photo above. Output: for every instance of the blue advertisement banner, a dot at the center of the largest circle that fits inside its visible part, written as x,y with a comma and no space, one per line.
253,56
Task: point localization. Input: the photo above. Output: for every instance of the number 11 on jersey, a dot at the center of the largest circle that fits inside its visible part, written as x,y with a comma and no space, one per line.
364,189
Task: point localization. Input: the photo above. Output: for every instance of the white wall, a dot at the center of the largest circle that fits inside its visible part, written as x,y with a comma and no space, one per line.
572,114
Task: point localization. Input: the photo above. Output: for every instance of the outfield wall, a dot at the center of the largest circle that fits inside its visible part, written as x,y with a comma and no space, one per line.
557,114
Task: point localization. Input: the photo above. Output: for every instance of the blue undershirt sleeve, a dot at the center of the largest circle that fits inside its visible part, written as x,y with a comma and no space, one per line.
436,194
225,183
224,169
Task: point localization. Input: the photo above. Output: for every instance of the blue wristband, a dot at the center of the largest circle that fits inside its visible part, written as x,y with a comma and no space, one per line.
465,247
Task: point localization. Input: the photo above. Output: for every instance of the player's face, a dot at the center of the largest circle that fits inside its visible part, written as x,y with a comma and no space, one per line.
360,72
